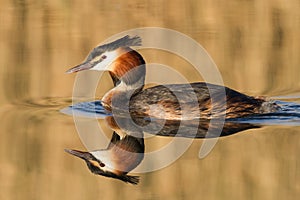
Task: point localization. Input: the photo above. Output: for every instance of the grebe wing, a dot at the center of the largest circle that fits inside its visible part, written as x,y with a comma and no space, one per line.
210,100
173,101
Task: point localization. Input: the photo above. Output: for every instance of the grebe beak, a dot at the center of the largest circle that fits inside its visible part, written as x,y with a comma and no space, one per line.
80,154
81,67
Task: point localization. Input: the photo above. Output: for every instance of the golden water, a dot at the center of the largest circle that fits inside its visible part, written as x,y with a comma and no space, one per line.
255,45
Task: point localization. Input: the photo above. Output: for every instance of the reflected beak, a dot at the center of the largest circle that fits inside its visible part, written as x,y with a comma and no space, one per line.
81,67
80,154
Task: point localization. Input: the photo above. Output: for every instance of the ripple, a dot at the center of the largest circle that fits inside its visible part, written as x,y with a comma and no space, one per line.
45,102
92,109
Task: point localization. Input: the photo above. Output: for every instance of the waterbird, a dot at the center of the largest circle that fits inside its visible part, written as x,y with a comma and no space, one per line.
127,69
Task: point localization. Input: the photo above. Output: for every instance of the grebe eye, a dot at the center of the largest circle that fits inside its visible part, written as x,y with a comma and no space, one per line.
102,165
103,56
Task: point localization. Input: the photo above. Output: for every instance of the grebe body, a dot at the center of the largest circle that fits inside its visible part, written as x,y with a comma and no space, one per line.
210,102
196,100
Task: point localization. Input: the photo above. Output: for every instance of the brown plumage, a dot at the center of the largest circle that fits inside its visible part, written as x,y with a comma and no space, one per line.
198,101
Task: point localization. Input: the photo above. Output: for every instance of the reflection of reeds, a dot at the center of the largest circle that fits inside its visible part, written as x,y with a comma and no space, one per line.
254,43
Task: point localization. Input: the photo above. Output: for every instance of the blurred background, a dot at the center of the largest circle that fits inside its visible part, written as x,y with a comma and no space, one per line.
255,44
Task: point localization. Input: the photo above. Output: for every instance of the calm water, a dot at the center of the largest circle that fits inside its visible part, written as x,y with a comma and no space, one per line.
255,45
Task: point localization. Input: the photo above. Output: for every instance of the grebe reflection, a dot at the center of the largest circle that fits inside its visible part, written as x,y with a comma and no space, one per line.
120,157
125,153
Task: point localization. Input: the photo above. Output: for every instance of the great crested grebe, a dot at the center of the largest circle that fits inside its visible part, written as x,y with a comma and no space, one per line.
128,69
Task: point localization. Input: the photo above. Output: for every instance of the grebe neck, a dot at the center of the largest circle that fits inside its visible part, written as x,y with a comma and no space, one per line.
129,68
128,73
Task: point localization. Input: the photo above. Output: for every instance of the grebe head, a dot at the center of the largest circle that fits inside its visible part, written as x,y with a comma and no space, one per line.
118,58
